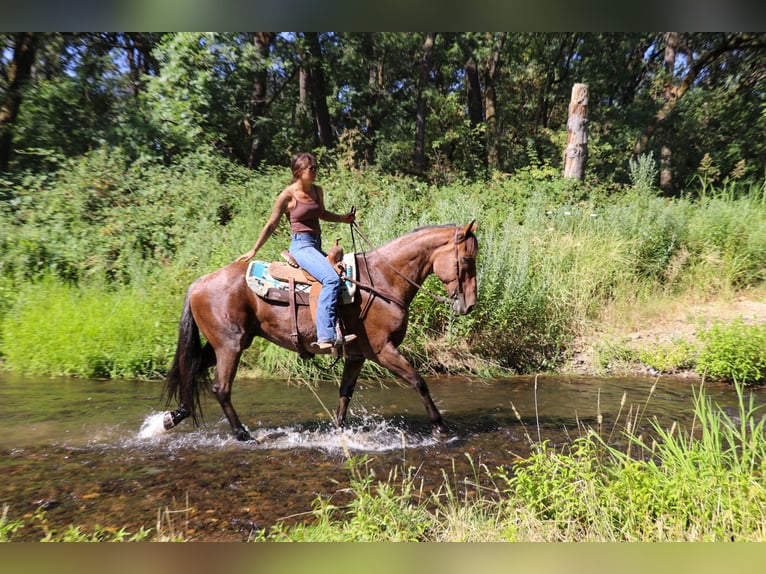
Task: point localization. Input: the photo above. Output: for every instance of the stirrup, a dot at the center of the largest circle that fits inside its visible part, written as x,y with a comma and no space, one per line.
338,342
345,339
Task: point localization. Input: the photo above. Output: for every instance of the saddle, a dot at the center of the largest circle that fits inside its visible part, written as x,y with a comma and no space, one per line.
285,282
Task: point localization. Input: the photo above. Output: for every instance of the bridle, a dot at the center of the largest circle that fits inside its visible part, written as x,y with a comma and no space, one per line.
456,294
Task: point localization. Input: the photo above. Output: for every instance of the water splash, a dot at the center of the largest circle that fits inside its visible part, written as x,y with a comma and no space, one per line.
152,426
369,433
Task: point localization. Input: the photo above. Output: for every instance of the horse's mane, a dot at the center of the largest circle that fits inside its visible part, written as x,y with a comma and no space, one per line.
416,231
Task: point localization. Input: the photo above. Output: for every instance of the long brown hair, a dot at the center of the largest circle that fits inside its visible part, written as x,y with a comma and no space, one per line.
300,162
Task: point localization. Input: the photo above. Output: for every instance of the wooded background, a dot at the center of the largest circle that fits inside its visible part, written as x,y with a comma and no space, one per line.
437,105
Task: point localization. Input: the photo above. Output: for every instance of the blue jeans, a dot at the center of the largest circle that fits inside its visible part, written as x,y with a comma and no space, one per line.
307,250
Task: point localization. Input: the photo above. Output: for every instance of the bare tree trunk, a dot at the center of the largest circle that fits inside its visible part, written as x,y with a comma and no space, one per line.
303,91
473,92
375,94
25,44
666,172
576,153
420,117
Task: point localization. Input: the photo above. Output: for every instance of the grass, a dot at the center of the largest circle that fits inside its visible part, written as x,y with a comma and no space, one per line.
87,332
705,483
171,526
106,274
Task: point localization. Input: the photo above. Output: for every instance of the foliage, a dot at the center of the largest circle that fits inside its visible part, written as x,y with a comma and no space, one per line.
8,527
698,484
380,510
734,352
72,533
494,102
553,254
676,355
89,332
673,487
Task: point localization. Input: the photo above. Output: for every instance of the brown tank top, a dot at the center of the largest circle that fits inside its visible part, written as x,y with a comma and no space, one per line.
304,217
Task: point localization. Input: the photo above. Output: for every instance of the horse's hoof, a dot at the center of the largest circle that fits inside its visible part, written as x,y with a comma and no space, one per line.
167,420
243,435
441,433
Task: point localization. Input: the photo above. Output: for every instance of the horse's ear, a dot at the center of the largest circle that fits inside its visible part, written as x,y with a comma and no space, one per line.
470,228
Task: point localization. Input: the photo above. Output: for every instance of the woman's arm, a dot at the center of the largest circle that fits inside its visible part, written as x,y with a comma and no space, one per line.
329,215
281,206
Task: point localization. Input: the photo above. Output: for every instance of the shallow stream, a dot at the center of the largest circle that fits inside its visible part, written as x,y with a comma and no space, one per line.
91,452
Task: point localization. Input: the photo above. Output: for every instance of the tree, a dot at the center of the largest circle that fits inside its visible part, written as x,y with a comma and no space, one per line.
426,64
15,76
259,101
437,104
317,88
491,68
707,58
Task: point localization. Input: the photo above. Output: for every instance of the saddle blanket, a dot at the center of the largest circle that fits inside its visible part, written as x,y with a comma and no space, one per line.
265,285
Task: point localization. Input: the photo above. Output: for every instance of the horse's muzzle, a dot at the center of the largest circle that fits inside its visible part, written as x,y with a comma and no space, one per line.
461,306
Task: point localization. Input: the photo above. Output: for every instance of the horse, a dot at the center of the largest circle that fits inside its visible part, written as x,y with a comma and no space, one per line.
222,307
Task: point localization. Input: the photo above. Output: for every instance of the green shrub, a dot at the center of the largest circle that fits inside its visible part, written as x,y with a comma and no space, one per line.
734,352
554,253
58,329
676,355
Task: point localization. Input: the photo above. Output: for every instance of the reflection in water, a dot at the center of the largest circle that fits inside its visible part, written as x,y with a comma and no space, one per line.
92,452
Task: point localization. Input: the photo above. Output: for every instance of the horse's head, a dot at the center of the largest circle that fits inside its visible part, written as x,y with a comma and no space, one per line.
456,267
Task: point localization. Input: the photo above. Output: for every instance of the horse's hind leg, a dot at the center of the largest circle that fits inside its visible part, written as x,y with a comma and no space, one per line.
351,370
187,393
225,371
392,359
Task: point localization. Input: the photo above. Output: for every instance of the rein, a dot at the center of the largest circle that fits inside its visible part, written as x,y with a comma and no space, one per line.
436,297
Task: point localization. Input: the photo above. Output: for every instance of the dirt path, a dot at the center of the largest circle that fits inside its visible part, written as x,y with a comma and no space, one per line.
671,322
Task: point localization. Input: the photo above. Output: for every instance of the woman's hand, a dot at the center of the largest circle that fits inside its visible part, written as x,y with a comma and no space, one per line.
247,256
350,217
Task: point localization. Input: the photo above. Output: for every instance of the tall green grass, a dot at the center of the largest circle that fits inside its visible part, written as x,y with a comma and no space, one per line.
705,483
88,331
553,255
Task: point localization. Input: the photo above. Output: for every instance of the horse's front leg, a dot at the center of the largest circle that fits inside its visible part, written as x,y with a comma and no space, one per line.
225,371
392,359
351,369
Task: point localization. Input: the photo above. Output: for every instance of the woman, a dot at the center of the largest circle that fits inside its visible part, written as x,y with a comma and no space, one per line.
303,203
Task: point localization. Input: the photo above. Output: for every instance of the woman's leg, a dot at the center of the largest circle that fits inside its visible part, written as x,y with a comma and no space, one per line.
307,250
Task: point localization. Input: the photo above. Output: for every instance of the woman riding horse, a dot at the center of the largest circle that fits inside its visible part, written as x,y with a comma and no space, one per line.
229,314
303,203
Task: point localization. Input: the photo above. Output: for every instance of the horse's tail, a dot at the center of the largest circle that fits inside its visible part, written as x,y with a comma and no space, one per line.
188,371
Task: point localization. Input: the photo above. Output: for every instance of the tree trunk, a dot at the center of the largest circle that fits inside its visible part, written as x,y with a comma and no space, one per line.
671,49
420,114
490,104
318,88
19,72
473,93
577,133
262,42
375,90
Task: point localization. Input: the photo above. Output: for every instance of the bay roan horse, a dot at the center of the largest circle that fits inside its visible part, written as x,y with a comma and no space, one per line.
229,314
